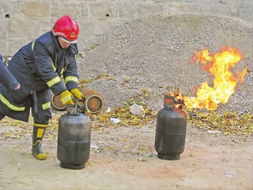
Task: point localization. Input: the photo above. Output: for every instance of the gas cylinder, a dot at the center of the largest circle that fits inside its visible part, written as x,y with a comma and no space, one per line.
170,130
73,147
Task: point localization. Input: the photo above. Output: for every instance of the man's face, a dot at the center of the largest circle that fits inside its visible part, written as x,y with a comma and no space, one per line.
64,43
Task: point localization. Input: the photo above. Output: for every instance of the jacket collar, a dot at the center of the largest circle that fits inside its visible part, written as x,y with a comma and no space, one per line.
56,42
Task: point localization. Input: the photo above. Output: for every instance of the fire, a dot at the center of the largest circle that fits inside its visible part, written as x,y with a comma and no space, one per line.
220,67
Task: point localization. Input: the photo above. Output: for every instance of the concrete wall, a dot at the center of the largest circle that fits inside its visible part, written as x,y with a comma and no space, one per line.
23,20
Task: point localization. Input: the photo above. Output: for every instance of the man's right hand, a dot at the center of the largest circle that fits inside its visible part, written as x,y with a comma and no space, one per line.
66,98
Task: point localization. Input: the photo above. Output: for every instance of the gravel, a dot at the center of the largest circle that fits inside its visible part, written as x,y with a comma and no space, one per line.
153,53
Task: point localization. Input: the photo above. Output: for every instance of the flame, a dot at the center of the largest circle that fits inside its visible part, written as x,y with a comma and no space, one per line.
220,67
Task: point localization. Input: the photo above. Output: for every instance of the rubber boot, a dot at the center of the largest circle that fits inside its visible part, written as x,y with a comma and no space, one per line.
38,133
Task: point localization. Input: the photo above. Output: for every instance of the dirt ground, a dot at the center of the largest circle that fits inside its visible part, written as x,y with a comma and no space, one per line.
147,54
124,158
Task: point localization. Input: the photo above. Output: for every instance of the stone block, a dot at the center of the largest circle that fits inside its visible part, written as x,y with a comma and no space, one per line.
23,28
74,9
3,47
149,9
35,9
45,25
9,9
15,44
4,29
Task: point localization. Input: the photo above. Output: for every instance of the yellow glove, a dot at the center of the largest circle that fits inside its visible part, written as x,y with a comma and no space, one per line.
76,93
66,98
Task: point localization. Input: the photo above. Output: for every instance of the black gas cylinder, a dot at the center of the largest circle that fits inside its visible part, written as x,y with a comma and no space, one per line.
170,130
73,148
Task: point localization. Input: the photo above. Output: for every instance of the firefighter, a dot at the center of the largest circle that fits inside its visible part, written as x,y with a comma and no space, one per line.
45,65
7,79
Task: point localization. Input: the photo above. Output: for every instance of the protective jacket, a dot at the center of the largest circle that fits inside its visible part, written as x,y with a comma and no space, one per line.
38,66
7,79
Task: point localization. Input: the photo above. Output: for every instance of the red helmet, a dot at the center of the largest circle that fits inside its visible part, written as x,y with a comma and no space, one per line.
67,28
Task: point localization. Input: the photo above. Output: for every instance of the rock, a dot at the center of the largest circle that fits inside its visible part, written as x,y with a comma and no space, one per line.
137,110
115,120
108,110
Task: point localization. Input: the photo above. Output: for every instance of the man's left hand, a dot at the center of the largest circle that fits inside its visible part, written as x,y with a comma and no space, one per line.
76,93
